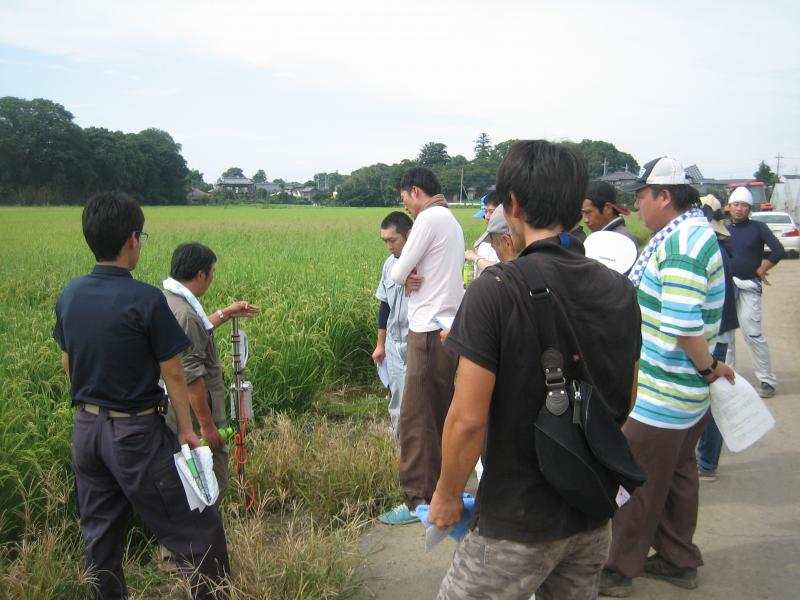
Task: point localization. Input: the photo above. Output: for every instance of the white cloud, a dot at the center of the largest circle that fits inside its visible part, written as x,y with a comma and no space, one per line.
687,78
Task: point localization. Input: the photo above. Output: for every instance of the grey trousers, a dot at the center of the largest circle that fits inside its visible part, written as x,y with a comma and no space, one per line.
123,465
396,353
748,309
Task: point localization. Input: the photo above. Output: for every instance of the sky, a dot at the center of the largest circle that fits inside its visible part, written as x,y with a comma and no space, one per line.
301,87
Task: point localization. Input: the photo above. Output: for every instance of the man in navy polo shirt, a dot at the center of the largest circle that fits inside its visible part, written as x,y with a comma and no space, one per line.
117,336
747,241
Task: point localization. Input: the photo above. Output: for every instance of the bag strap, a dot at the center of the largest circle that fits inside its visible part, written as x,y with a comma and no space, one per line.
537,296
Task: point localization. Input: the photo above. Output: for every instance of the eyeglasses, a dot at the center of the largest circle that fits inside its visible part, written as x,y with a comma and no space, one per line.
141,236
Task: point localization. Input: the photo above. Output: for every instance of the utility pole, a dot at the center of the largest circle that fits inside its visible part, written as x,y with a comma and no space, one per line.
605,166
778,167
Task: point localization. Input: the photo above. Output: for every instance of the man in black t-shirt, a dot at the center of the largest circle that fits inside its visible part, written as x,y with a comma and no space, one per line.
117,335
537,543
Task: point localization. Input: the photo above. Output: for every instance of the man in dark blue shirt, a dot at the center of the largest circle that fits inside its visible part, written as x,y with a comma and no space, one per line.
117,336
746,243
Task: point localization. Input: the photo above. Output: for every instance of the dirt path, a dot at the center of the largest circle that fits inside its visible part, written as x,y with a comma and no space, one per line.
749,524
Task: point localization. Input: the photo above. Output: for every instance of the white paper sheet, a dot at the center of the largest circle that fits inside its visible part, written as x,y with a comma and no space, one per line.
205,463
383,373
740,414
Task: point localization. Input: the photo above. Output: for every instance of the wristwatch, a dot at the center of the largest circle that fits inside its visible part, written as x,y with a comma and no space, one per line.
221,315
709,370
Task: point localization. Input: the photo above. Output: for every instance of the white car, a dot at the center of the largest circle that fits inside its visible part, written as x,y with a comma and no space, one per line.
784,228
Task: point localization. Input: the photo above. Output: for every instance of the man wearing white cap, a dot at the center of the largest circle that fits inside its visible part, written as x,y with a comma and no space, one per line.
681,288
747,242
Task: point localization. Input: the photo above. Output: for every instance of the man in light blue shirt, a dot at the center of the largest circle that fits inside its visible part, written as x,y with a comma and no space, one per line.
391,347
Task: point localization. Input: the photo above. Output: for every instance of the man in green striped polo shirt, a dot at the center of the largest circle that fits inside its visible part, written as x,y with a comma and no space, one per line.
681,289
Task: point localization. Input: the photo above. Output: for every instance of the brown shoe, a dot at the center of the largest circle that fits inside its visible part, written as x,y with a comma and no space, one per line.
614,584
659,568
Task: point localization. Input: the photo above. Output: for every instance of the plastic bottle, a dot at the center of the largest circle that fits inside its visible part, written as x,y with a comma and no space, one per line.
469,273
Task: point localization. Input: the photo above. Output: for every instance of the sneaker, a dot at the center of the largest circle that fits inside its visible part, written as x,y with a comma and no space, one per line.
614,584
766,390
659,568
706,474
399,515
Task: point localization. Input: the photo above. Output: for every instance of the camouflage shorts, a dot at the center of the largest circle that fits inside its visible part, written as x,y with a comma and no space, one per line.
567,569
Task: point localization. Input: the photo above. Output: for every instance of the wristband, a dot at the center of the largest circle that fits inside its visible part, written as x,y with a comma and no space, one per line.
709,370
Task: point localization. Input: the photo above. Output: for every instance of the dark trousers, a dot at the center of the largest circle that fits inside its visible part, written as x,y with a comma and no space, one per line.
663,512
125,464
430,378
710,446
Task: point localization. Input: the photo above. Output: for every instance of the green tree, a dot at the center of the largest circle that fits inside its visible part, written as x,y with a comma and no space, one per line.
43,154
483,147
163,168
115,163
233,172
764,173
602,156
433,154
500,150
375,185
194,179
260,176
279,182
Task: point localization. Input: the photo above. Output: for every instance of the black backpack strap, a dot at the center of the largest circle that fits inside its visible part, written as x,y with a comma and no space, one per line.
531,292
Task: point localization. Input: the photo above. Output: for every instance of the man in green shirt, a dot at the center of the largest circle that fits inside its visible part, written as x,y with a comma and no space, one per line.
191,274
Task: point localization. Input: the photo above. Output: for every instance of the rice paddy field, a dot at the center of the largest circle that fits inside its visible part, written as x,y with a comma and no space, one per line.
323,462
313,272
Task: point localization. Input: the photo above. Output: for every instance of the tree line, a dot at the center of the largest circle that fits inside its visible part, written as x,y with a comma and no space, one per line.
45,157
376,185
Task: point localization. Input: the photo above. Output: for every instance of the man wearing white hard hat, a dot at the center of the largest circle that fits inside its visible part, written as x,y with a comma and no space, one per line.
747,241
681,288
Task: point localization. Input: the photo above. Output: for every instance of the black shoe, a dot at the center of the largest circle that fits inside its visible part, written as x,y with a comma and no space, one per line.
683,577
614,585
766,390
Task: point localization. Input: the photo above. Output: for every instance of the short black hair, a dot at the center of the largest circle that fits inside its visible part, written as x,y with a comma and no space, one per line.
549,181
601,193
421,177
189,259
109,219
683,195
492,199
399,220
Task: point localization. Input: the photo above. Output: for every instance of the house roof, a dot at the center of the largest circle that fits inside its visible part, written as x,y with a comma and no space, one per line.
618,176
235,181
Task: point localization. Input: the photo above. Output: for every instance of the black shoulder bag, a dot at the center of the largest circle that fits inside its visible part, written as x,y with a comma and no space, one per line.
581,450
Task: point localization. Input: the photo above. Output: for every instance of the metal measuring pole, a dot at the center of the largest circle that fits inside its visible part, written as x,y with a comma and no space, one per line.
236,395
